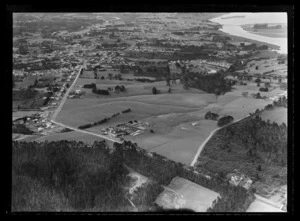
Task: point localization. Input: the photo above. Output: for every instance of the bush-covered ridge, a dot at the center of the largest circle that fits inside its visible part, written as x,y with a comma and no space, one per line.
67,176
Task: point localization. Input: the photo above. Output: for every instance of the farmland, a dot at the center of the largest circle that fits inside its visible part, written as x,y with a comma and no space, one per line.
147,82
277,115
170,115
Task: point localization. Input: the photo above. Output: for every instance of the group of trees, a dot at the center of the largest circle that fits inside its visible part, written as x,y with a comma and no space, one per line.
263,89
85,126
21,129
155,90
120,88
106,119
144,80
67,176
260,138
212,83
282,102
211,115
100,91
224,120
126,111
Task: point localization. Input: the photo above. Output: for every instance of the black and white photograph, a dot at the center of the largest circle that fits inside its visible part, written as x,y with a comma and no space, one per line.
151,112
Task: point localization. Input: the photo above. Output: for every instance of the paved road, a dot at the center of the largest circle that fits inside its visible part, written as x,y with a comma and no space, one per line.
53,120
208,138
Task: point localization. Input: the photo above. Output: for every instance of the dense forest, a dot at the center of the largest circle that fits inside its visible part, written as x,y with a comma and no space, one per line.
67,176
212,83
74,176
260,138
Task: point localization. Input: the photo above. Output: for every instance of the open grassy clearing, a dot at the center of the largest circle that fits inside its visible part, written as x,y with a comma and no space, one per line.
72,135
184,194
277,115
266,65
259,206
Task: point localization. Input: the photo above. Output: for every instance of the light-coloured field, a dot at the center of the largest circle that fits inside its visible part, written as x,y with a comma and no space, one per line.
277,115
267,65
73,135
184,194
259,206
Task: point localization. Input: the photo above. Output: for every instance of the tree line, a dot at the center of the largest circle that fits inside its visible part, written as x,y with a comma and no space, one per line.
104,120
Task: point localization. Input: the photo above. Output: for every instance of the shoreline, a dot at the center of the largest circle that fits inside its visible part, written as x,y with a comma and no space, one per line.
237,30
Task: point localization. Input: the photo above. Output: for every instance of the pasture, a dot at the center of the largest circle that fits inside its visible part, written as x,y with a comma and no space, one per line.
277,115
170,115
70,136
184,194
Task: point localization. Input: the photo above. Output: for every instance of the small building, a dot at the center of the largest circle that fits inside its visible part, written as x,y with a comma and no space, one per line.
247,183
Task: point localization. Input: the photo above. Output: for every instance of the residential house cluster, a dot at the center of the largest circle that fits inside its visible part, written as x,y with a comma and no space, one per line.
239,179
132,128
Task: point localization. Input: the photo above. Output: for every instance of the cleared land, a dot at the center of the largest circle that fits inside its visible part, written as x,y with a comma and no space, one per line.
277,115
170,115
184,194
270,66
73,135
259,206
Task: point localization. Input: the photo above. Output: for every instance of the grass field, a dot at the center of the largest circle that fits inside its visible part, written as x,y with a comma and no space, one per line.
267,65
169,115
259,207
73,135
277,115
184,194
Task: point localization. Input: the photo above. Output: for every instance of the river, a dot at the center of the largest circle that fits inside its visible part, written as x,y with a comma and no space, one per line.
233,26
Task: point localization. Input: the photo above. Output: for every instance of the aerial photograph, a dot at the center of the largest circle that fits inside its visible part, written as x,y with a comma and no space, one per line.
149,112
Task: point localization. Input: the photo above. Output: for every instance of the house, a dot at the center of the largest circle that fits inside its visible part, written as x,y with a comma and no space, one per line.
234,178
246,183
